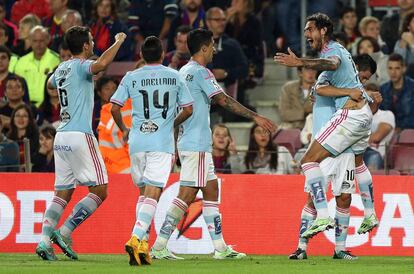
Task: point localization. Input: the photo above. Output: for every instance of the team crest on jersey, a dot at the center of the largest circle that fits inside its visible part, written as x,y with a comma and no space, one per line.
189,77
65,117
148,127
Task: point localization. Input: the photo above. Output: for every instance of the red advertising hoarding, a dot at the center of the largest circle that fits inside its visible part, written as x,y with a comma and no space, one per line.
260,216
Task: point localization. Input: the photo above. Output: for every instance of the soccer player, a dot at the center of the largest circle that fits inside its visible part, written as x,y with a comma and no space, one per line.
342,179
77,157
155,91
350,125
195,146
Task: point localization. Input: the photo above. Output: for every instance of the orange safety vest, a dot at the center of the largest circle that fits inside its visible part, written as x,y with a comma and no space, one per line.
114,150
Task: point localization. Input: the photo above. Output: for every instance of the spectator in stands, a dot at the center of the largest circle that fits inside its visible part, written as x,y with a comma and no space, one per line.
229,62
192,14
24,43
392,25
5,74
369,26
348,20
264,157
23,125
15,93
20,8
398,94
104,26
405,44
9,156
54,22
12,32
180,56
64,52
36,65
341,38
3,42
151,18
83,7
244,26
49,110
224,148
105,87
115,152
368,45
382,129
294,105
43,160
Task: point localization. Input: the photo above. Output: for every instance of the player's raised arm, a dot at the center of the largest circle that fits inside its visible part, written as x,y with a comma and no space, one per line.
108,56
232,105
291,60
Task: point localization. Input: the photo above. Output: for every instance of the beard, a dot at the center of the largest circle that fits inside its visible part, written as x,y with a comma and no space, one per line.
192,7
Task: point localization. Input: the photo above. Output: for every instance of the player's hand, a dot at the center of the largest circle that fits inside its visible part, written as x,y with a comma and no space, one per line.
408,37
125,135
312,98
376,96
356,95
120,37
290,60
265,123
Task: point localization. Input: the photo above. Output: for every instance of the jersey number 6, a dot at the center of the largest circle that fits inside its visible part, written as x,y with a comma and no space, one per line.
63,95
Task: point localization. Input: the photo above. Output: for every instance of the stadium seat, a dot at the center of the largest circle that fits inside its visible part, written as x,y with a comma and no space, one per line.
403,158
290,138
9,157
406,137
119,69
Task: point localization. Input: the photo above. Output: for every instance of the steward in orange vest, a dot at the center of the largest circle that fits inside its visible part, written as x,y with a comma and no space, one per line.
114,150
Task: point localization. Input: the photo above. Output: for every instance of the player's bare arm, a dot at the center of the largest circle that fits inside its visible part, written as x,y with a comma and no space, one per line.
117,115
108,56
331,91
49,84
184,114
232,105
321,64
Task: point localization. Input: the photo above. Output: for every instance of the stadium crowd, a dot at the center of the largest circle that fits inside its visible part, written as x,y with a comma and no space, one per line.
246,32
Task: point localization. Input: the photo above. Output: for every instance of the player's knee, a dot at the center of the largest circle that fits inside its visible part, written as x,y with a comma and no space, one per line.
344,201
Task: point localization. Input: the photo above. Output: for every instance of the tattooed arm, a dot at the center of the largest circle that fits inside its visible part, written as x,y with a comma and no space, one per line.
320,64
232,105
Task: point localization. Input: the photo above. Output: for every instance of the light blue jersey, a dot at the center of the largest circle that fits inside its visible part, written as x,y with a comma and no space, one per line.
73,80
346,75
195,131
156,91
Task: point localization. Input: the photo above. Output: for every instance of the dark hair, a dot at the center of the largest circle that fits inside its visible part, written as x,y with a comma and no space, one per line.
198,38
151,49
103,81
114,13
16,78
374,43
183,29
31,129
395,57
48,131
322,21
340,36
75,38
371,86
6,50
365,62
46,107
406,22
346,10
253,151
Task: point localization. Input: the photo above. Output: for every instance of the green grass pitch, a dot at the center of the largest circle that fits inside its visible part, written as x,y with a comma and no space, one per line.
91,263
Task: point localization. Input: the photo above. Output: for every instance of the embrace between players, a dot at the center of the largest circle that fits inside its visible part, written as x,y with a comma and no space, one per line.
156,91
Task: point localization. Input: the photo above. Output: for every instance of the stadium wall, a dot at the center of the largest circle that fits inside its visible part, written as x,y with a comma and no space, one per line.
260,216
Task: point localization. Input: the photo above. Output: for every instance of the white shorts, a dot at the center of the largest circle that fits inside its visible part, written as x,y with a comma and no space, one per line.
339,172
78,161
151,168
197,168
347,128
